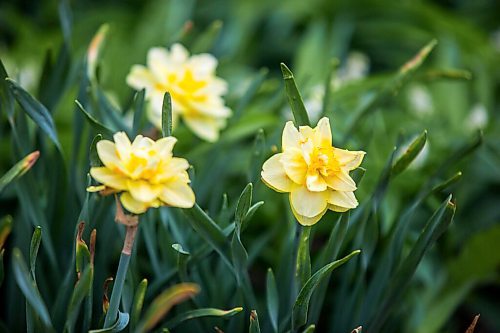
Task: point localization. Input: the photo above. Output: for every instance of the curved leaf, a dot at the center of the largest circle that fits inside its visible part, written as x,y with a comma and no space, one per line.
99,127
206,312
410,154
294,98
118,326
19,169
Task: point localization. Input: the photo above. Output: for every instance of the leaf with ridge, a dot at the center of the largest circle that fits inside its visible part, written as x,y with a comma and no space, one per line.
410,154
205,312
166,115
118,326
294,98
272,299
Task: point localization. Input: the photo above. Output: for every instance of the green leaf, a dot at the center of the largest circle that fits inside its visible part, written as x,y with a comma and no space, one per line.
205,312
29,289
19,169
99,127
138,110
36,111
309,329
258,154
166,115
272,299
138,303
207,38
294,98
5,229
434,228
250,214
2,273
6,98
254,322
209,231
118,326
109,111
301,306
243,205
34,246
164,302
66,19
95,161
250,93
410,154
80,291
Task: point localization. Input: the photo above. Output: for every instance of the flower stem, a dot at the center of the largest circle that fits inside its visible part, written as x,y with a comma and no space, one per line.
303,259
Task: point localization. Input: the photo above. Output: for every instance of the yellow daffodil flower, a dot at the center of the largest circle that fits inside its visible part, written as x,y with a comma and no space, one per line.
145,171
315,173
191,81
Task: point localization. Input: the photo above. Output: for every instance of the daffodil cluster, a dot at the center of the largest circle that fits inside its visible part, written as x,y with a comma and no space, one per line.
315,173
191,81
144,171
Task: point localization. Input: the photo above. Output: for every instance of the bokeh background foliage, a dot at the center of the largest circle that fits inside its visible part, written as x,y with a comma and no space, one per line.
449,89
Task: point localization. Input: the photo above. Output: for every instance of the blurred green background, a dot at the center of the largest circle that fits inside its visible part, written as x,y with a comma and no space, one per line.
455,96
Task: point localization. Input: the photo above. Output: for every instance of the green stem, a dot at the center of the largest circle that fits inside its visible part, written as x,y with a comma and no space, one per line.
303,259
116,294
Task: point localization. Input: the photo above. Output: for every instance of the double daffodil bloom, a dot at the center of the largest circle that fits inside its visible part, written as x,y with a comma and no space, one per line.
145,171
315,173
191,81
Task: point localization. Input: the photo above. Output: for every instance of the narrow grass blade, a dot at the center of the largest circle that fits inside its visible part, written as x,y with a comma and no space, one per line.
5,229
309,329
36,111
254,322
303,262
294,98
166,115
118,326
138,107
164,302
272,299
250,93
243,205
29,289
301,306
206,312
207,39
19,169
6,98
410,154
95,161
138,303
79,293
434,228
109,111
99,127
34,246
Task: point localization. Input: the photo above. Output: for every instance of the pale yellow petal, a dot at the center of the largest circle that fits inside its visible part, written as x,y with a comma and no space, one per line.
323,132
178,54
164,146
294,165
306,133
349,160
307,203
345,200
315,182
132,205
290,137
308,221
142,142
205,127
140,77
203,64
143,191
158,60
109,178
177,193
107,154
337,208
341,181
123,145
273,174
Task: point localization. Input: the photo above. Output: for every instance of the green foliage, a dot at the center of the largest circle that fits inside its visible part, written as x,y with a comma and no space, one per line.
423,108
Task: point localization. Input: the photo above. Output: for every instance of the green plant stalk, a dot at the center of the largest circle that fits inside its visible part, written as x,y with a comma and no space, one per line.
116,294
303,259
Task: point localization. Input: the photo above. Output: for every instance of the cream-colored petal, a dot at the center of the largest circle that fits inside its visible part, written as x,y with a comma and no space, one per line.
143,191
294,165
132,205
203,64
308,221
273,174
177,193
341,181
107,154
164,146
349,160
109,178
307,150
158,60
337,208
315,182
307,203
290,137
323,132
306,133
141,142
140,77
204,127
342,199
178,54
123,145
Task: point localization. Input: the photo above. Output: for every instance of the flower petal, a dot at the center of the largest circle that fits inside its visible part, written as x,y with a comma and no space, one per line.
315,182
341,181
109,178
323,132
107,154
143,191
337,208
123,145
132,205
164,146
308,221
177,193
307,203
349,160
140,77
294,165
345,200
206,128
290,137
273,174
